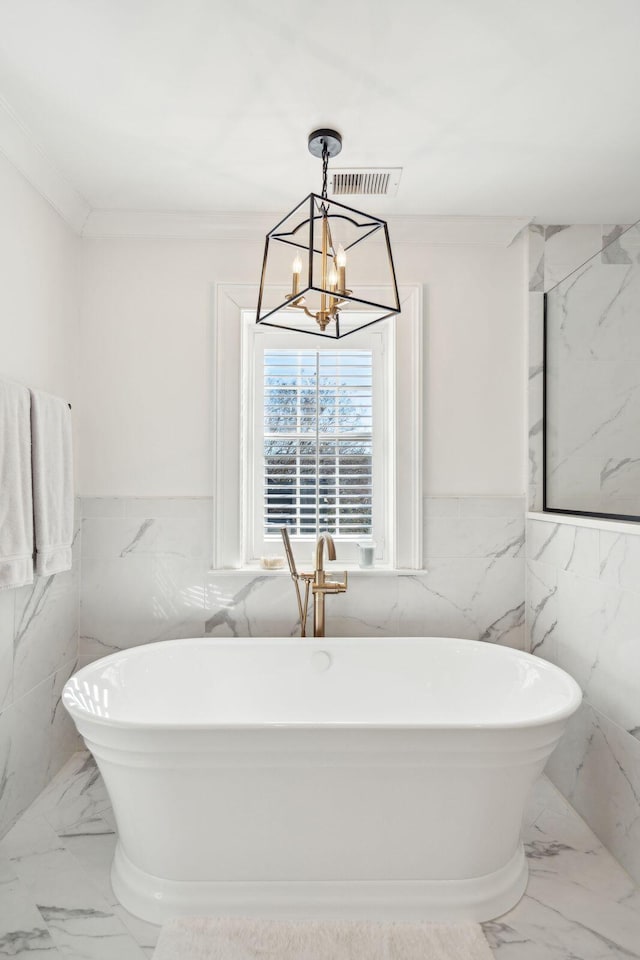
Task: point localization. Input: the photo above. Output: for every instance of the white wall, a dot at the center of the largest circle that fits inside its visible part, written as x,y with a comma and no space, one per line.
39,290
38,623
145,415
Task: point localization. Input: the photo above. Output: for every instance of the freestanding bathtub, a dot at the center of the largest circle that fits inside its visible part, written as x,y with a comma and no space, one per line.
320,777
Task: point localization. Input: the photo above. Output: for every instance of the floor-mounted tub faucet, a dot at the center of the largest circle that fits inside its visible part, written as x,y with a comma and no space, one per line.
317,581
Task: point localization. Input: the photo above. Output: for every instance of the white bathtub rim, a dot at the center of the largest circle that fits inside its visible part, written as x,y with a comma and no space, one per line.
574,693
506,725
479,899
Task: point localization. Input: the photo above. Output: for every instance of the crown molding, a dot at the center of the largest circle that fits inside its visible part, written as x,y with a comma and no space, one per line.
496,231
21,150
121,224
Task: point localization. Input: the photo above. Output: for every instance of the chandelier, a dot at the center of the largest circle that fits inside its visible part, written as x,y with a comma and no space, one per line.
323,260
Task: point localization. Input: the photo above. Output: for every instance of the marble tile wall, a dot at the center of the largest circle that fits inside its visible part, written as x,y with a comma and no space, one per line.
38,653
596,401
583,613
146,577
583,591
594,381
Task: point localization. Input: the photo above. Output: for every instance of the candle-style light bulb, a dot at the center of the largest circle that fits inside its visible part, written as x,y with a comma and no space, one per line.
296,270
341,261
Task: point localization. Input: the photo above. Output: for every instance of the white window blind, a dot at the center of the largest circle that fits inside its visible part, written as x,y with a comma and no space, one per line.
318,442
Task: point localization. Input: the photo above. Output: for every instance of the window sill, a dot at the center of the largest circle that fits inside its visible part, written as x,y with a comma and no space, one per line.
332,569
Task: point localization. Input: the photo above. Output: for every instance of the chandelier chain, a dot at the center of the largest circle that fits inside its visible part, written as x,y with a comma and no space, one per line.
325,166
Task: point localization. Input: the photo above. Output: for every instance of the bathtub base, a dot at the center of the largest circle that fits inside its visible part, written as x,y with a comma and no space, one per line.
478,899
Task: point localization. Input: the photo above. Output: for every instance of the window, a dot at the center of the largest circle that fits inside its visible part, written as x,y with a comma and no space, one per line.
318,429
316,437
318,442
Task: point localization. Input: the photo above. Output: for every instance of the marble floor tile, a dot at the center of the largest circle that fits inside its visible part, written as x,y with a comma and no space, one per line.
144,933
579,905
93,844
77,916
56,898
23,932
74,796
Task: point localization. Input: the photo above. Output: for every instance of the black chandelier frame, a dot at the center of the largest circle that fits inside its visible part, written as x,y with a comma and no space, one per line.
308,241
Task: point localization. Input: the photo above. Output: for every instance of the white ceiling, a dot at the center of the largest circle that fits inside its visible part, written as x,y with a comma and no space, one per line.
493,107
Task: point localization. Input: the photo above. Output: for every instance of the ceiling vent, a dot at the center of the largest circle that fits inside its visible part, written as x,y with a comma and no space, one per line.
365,181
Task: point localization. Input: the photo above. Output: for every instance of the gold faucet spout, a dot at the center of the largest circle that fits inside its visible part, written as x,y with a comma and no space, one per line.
331,550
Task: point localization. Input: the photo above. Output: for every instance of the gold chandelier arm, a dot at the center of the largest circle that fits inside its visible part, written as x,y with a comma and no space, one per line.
301,306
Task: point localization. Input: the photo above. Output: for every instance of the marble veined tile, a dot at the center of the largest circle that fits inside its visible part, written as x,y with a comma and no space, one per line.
6,807
369,608
122,537
597,767
612,684
535,400
579,903
135,600
581,621
585,860
568,247
575,549
23,932
620,560
536,257
93,843
577,471
145,934
593,314
46,629
536,333
263,606
30,747
621,243
65,739
474,537
546,925
619,484
542,609
29,838
79,918
478,599
75,796
6,647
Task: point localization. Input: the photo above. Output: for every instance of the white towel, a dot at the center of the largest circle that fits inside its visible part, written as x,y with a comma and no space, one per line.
16,501
52,460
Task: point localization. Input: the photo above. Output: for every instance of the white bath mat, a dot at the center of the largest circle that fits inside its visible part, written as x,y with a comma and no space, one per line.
237,938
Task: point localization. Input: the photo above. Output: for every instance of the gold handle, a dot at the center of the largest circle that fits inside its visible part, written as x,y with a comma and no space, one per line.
332,586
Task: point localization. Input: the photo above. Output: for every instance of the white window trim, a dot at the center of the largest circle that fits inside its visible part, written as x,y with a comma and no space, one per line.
229,398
